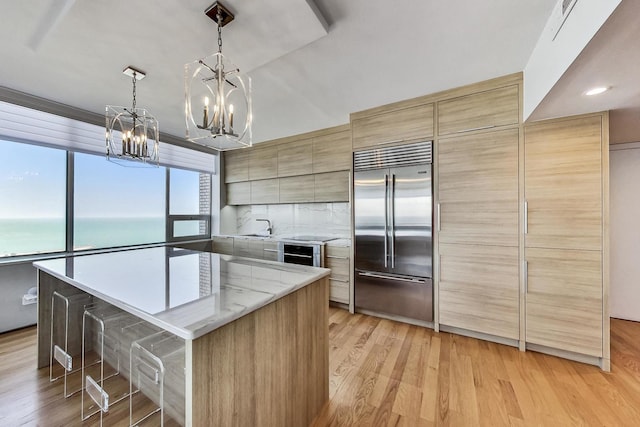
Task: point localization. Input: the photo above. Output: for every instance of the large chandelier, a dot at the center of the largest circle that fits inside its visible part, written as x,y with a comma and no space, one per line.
132,133
217,96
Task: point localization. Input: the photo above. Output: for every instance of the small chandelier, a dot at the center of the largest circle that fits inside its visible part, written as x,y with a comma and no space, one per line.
132,134
217,96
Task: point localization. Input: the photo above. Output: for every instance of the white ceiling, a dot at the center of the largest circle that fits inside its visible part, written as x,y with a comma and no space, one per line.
611,59
303,78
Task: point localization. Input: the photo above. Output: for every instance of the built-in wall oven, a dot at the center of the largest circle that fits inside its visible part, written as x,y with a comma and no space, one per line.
303,250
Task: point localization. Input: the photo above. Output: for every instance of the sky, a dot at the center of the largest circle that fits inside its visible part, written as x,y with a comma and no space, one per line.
32,185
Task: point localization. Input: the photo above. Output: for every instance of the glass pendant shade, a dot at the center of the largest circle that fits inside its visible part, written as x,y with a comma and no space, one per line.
132,136
217,104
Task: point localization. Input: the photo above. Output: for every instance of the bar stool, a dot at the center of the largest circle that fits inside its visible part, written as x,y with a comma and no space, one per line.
102,326
67,308
157,380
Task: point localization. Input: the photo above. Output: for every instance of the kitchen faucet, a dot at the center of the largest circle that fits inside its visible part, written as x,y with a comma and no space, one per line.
269,229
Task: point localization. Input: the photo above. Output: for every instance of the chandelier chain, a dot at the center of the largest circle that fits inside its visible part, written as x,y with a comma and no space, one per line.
134,92
219,18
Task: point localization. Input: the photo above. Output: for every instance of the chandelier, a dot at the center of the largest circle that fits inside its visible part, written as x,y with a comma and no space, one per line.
217,96
132,134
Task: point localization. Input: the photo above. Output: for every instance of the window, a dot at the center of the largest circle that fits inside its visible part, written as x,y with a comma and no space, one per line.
116,205
32,199
189,205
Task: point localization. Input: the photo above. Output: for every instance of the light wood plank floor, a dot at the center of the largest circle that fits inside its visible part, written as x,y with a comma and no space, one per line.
384,373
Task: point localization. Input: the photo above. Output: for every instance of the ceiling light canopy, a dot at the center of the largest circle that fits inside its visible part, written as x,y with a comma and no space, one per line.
217,96
132,133
596,91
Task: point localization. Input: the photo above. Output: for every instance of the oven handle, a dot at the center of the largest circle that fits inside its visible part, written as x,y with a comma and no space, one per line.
298,255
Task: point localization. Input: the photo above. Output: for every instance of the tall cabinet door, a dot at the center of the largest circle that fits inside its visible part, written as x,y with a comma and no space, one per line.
478,239
564,234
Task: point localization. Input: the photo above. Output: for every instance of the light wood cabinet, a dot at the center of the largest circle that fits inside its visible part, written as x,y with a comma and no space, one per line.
332,152
265,191
222,245
563,184
239,193
478,188
492,108
338,260
406,124
236,166
331,187
479,289
297,189
270,250
564,299
263,162
565,235
250,248
295,158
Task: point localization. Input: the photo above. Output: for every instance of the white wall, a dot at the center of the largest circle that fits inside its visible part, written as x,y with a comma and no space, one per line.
625,231
551,58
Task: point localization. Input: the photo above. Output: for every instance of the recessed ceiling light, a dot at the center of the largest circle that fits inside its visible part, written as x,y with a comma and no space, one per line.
596,91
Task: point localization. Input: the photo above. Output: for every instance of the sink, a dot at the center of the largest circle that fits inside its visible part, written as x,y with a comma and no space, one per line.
256,235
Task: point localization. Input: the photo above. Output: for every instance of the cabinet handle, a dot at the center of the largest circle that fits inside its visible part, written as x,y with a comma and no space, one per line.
270,250
438,216
338,280
478,128
526,217
337,257
526,277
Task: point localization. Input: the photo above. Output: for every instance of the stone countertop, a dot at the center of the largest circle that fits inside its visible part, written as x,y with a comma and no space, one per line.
338,240
185,292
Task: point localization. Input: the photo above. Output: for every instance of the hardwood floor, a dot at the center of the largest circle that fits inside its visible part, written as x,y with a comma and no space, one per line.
384,373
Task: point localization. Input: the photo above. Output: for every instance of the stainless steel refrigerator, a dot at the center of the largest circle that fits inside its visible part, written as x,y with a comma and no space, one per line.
393,231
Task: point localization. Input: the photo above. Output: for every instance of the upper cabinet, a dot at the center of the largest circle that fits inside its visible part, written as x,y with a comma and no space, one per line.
484,110
236,166
563,183
299,169
478,188
295,158
332,152
404,124
263,162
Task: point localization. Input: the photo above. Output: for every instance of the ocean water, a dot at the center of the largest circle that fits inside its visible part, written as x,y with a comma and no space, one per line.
42,235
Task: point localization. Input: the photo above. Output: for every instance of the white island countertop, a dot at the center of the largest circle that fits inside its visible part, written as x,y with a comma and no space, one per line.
185,292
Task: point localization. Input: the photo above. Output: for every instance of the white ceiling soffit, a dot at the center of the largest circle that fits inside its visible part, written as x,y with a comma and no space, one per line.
304,78
611,59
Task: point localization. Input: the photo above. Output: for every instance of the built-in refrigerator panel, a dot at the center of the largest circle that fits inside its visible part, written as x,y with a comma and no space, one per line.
411,219
370,204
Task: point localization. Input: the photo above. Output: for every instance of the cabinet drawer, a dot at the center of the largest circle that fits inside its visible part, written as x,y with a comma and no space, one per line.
248,248
497,107
339,290
338,266
394,126
270,251
222,245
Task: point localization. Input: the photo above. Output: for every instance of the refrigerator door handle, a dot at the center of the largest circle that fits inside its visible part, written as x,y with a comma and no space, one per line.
386,222
392,220
400,279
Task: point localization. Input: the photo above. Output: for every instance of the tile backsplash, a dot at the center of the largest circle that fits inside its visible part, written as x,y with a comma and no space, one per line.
327,219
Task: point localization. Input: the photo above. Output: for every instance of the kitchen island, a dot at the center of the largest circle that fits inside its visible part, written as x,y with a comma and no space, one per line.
255,332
